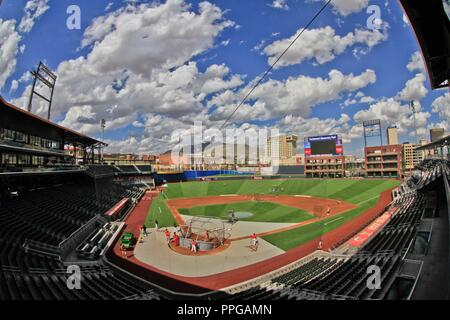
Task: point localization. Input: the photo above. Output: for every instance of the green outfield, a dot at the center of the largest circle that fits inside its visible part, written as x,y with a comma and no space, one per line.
354,191
262,211
362,192
159,211
292,238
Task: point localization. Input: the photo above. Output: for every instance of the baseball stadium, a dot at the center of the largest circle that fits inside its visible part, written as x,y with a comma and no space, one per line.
74,227
256,237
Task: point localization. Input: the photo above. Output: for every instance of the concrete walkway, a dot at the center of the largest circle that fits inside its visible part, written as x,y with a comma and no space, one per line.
155,252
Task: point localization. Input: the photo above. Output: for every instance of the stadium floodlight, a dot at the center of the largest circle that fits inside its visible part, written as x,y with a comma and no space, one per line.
47,78
102,126
372,128
414,111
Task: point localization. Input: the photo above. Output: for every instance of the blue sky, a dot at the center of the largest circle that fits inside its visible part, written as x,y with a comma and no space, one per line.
150,68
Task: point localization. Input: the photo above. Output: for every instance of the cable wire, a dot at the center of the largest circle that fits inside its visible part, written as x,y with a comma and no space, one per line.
275,63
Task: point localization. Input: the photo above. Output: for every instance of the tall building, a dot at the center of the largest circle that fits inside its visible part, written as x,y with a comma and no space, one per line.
384,161
392,135
436,134
411,157
284,145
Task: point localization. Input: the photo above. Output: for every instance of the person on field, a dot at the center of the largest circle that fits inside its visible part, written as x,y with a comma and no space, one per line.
123,249
156,225
194,246
253,239
141,236
256,244
167,234
233,217
176,239
144,230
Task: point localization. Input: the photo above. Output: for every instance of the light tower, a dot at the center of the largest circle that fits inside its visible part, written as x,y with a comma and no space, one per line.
414,111
47,78
102,126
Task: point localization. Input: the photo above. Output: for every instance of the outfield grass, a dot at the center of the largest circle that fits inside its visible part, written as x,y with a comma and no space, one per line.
262,211
363,193
353,191
161,212
292,238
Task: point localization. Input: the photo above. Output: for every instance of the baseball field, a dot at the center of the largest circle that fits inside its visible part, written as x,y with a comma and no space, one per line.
317,206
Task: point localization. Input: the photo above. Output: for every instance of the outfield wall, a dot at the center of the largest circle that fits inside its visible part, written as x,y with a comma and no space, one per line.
194,175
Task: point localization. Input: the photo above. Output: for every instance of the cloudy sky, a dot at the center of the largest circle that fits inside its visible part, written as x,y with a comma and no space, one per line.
152,67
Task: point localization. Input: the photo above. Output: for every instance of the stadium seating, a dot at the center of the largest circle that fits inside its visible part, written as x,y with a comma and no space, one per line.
49,215
97,283
430,171
144,168
102,170
397,234
128,169
93,246
327,278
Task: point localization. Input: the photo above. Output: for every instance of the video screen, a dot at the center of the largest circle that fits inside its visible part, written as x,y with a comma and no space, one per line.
323,146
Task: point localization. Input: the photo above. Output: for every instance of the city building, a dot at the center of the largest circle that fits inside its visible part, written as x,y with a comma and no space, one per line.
436,134
283,146
392,135
411,156
384,161
297,160
150,158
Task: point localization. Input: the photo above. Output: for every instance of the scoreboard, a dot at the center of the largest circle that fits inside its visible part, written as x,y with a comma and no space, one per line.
323,146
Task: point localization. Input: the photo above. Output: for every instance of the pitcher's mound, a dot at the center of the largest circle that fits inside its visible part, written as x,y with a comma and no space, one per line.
241,215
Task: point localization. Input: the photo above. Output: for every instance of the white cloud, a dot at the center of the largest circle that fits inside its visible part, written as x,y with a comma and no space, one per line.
393,113
359,98
9,48
167,36
14,86
309,127
414,89
405,20
34,9
158,136
280,4
416,63
347,7
278,98
441,106
321,45
446,4
85,120
157,77
109,6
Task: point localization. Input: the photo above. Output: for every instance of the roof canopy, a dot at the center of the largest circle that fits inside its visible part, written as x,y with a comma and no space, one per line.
444,141
18,119
432,28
